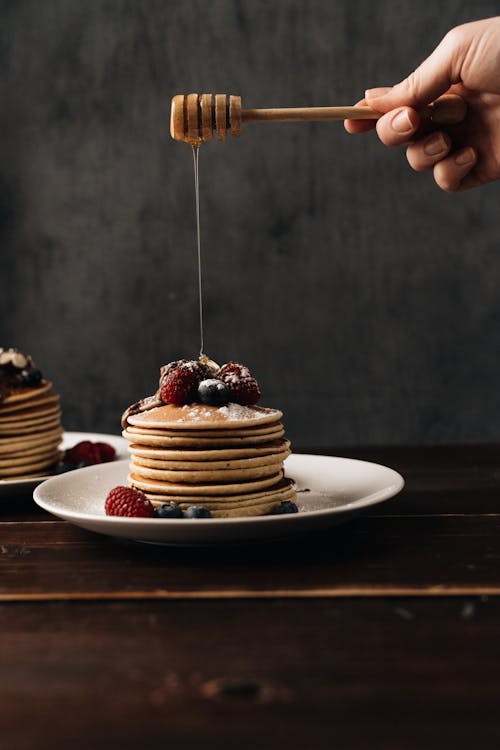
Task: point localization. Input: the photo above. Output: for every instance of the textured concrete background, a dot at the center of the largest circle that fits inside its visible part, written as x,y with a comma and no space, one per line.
366,301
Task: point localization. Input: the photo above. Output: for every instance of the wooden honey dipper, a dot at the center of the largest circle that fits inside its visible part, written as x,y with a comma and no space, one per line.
195,117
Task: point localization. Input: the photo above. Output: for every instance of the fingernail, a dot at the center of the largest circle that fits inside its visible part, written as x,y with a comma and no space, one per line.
465,157
435,144
401,122
380,91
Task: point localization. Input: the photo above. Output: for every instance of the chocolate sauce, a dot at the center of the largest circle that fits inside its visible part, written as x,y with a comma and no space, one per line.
145,404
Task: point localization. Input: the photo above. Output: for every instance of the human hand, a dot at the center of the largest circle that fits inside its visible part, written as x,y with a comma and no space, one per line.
466,62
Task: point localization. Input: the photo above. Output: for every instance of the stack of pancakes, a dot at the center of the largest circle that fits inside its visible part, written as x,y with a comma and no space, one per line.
30,431
229,459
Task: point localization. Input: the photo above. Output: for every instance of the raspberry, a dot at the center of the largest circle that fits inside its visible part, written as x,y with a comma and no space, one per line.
242,386
84,452
106,451
180,385
183,364
89,453
127,501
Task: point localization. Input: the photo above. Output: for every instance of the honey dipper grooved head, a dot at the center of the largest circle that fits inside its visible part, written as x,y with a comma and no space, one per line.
194,117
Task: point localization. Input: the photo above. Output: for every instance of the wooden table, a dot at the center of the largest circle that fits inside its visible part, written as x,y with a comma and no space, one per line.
381,633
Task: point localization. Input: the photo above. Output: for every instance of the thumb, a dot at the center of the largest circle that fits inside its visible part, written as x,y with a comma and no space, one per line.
431,79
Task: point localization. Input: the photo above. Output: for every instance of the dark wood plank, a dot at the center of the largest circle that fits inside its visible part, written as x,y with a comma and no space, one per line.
354,674
368,556
437,456
439,478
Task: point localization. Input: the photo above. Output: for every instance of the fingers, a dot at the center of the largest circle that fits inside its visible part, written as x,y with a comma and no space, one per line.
400,123
394,128
398,126
425,153
452,173
431,79
359,126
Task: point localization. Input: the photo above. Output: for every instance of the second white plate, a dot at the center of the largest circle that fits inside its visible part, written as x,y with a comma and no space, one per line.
9,487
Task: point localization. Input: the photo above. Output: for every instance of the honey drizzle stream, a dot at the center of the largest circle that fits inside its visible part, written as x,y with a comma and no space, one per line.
196,154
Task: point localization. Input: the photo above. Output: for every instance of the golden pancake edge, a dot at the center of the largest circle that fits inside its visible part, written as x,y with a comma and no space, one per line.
30,431
228,459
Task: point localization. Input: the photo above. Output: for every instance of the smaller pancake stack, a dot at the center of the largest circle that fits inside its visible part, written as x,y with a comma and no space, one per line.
30,418
227,458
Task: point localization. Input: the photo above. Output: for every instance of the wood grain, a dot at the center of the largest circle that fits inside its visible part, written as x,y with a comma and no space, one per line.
447,109
392,674
380,633
369,556
438,537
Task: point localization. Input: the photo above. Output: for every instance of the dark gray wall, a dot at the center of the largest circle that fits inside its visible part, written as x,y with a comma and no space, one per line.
366,301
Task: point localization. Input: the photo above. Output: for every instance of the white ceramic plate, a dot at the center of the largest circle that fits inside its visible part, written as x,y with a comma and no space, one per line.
330,490
9,487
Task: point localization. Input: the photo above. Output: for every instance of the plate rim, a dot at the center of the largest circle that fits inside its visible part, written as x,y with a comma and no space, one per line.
373,498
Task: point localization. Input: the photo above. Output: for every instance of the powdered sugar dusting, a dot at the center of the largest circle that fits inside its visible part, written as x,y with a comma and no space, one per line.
237,412
203,416
192,366
230,413
196,412
243,375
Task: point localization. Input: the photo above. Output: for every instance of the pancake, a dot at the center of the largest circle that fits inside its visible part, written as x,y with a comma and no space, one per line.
10,445
202,490
19,395
28,469
30,418
193,441
29,429
227,458
193,454
271,431
277,493
15,425
41,404
205,475
252,504
200,416
234,463
27,457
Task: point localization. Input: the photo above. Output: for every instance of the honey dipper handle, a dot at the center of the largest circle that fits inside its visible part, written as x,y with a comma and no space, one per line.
448,109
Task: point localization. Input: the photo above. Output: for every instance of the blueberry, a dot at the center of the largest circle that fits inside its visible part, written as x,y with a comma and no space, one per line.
62,468
197,511
31,377
168,510
287,506
213,392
